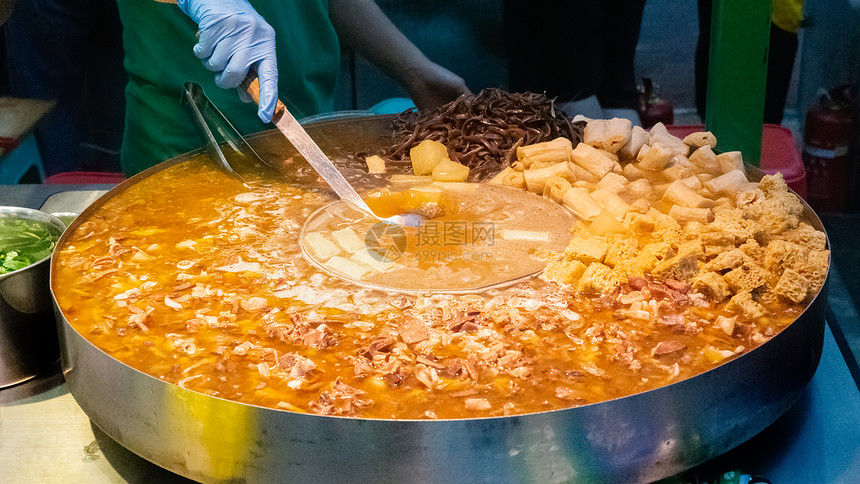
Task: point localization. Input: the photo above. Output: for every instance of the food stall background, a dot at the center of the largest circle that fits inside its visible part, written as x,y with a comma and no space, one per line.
467,37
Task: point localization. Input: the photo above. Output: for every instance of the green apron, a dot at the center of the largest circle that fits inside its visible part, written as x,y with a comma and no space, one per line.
158,39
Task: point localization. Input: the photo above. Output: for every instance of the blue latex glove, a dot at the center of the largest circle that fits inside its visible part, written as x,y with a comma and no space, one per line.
233,39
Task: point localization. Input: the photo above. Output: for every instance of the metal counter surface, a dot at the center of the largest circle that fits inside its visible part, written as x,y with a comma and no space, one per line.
46,437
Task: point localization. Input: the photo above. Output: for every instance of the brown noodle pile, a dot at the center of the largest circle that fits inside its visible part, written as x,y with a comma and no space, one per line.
483,131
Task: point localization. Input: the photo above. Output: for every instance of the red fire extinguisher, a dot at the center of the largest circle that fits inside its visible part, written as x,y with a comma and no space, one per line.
829,140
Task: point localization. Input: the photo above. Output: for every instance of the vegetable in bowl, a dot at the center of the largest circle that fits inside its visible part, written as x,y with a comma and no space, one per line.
24,242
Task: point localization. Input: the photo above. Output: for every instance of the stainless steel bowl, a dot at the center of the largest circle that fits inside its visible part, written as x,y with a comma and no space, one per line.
639,438
28,332
66,217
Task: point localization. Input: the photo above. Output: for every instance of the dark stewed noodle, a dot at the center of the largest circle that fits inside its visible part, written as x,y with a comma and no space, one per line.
483,131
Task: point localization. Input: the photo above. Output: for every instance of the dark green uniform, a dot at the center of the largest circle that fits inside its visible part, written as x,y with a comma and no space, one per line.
158,39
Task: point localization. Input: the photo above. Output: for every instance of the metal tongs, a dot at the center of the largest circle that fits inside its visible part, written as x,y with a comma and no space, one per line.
208,120
204,113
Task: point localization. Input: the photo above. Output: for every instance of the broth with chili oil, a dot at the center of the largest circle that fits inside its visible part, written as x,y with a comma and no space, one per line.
204,285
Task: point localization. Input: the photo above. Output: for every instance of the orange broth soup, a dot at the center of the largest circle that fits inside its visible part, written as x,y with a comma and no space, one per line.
203,285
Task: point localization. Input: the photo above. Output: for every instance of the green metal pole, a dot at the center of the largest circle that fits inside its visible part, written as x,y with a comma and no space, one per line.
737,72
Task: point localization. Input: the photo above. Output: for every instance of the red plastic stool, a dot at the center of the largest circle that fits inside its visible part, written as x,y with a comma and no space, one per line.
85,178
778,153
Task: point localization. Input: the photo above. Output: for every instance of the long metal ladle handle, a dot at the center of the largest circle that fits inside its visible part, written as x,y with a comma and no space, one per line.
296,134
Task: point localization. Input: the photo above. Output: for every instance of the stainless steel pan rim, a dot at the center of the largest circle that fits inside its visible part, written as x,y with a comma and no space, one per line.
637,438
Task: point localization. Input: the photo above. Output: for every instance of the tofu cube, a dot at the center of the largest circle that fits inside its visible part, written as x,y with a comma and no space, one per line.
587,250
564,271
599,279
712,285
743,303
792,286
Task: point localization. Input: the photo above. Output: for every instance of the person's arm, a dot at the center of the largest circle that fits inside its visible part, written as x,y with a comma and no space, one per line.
363,26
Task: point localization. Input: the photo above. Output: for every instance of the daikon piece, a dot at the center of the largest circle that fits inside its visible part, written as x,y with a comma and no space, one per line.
729,183
348,240
612,183
660,189
640,188
606,223
701,138
581,204
347,267
611,156
538,164
617,134
524,235
555,188
638,222
660,134
654,157
426,155
450,171
608,134
640,205
633,172
593,132
690,214
704,177
693,182
592,160
536,179
679,168
705,159
680,194
553,151
638,138
611,202
375,164
730,160
373,260
613,179
319,246
580,174
509,177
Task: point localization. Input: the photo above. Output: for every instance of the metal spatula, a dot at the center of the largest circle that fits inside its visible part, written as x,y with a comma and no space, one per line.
296,134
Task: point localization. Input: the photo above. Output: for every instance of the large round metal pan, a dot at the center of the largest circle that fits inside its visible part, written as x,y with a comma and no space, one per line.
639,438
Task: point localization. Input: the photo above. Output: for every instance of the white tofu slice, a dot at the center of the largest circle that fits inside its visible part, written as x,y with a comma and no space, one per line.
347,267
319,246
348,240
373,261
525,235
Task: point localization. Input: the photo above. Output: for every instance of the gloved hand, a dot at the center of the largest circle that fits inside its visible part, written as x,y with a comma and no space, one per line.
233,39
